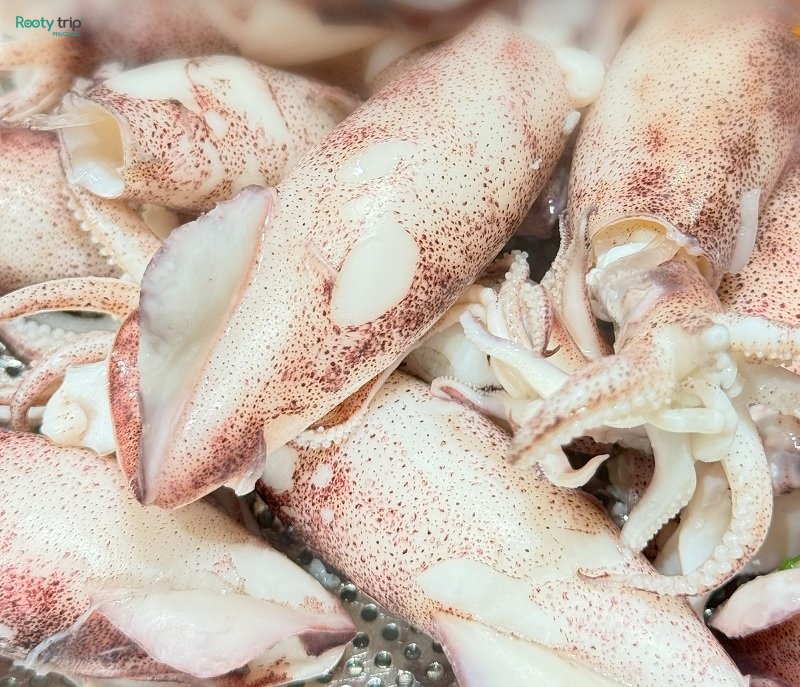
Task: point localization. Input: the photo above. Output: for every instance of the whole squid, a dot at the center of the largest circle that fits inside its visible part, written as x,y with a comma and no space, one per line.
95,585
419,508
323,283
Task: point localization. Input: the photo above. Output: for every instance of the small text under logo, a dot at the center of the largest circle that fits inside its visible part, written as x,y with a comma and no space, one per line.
63,26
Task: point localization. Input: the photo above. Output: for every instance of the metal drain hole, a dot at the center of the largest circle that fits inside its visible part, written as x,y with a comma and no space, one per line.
375,682
434,671
404,679
369,612
390,632
412,651
437,647
361,640
354,667
348,593
383,659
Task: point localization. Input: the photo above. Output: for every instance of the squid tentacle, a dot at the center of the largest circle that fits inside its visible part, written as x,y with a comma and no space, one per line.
761,338
670,488
119,231
747,471
620,385
87,294
88,349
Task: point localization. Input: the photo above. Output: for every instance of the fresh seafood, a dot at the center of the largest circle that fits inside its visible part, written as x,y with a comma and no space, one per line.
767,286
483,554
278,305
660,194
96,585
50,231
771,270
337,271
42,238
762,621
43,65
190,133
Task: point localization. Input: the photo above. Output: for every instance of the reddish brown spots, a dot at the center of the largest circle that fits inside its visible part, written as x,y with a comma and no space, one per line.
514,51
654,138
123,383
299,364
35,606
312,604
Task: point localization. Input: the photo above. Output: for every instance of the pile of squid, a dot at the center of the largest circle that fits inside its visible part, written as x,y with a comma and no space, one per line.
266,252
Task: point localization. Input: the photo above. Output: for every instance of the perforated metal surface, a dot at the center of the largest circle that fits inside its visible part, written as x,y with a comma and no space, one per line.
386,652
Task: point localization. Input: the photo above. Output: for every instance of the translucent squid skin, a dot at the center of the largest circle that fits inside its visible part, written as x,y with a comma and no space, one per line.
341,268
670,167
419,508
95,585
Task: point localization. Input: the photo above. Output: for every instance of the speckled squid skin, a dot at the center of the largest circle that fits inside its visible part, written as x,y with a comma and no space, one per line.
278,32
42,237
194,132
423,483
74,544
718,123
676,140
446,160
772,654
768,285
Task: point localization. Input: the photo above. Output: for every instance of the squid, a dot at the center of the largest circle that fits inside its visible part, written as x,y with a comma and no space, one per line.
762,621
324,282
42,66
97,218
96,586
419,508
189,133
764,288
35,198
670,169
47,234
